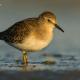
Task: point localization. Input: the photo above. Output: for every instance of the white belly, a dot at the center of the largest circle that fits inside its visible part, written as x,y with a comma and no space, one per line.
32,44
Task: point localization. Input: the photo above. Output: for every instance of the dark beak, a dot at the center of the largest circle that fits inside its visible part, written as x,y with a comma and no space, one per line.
57,26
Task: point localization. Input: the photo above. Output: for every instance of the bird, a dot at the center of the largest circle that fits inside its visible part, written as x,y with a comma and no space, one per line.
31,34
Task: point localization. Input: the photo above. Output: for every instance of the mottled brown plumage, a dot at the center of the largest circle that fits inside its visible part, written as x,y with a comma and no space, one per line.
17,32
31,34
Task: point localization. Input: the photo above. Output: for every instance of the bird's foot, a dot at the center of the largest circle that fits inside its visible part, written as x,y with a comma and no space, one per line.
25,59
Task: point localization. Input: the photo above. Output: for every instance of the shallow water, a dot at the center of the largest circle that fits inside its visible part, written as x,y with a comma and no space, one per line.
41,67
54,62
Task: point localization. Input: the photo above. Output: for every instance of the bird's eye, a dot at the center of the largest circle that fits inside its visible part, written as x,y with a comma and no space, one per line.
49,20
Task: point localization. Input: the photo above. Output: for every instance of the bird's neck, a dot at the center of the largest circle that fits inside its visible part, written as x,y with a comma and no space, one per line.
44,32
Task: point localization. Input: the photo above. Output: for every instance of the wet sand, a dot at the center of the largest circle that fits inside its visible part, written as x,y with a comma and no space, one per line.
40,75
63,67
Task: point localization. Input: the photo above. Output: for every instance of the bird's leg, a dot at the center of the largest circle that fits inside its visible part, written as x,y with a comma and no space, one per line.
24,57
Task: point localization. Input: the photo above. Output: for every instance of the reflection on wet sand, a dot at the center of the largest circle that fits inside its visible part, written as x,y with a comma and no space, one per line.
31,65
63,67
52,62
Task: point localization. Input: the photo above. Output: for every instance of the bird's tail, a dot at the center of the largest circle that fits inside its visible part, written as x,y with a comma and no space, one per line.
1,35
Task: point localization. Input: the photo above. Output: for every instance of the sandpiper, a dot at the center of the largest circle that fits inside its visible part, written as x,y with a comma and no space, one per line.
31,34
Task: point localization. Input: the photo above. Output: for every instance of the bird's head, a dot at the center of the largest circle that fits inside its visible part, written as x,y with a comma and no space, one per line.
50,18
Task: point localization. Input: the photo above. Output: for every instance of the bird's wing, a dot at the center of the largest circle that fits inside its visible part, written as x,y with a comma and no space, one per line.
18,31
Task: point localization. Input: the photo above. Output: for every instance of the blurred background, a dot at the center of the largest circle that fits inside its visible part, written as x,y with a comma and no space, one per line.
64,50
68,17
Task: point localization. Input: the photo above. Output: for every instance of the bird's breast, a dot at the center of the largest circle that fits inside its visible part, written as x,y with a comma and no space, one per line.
33,44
